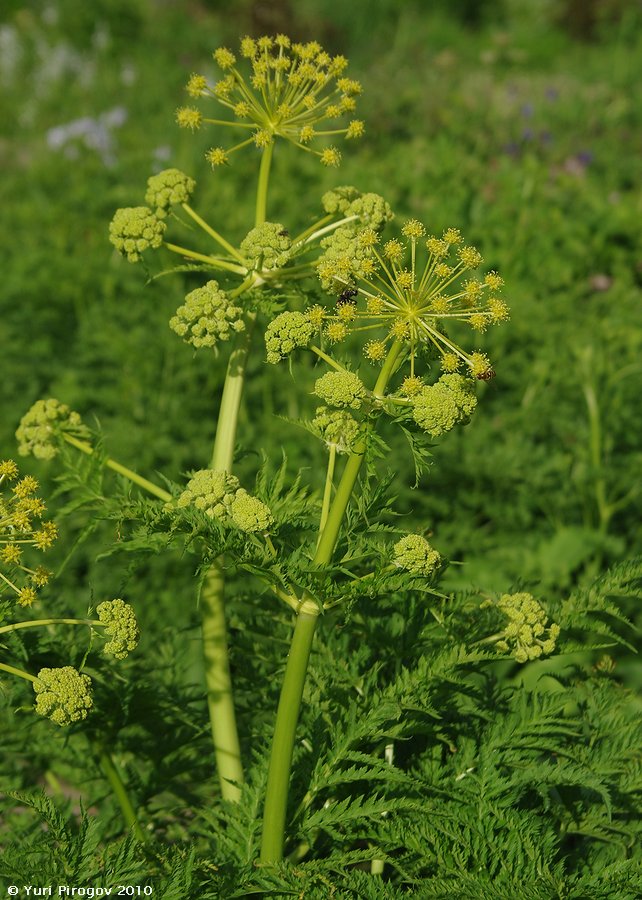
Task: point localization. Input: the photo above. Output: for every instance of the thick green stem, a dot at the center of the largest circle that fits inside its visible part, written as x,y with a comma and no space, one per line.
220,699
120,791
329,484
38,623
149,486
276,796
210,260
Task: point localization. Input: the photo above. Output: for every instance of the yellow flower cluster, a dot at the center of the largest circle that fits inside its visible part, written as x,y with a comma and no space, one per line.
21,526
411,289
294,91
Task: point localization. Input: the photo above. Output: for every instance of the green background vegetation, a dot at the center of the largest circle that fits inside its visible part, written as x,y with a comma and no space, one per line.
515,121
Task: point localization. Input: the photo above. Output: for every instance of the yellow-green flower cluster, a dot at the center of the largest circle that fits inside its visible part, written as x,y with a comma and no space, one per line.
371,210
42,425
414,554
286,332
341,389
528,634
209,491
169,188
267,246
120,624
337,428
438,407
207,317
220,496
63,695
250,514
294,91
135,229
21,526
410,289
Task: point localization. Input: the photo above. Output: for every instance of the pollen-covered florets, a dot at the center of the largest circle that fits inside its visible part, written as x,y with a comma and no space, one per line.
337,428
207,317
438,407
169,187
528,634
250,514
414,554
341,389
210,491
267,246
134,229
293,91
42,424
120,624
288,331
63,695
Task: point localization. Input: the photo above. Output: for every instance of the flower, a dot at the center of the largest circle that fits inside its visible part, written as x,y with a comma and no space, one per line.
414,554
410,287
120,623
288,331
169,187
438,407
527,635
207,317
250,514
63,695
134,229
337,428
341,389
210,491
21,526
293,91
42,425
267,246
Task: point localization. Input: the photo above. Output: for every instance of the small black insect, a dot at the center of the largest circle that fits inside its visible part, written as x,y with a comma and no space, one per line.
487,375
347,296
284,233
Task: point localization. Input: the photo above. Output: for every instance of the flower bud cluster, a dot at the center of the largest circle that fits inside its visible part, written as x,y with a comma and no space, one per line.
438,407
63,695
41,426
341,389
120,624
135,229
414,554
207,317
220,496
21,526
267,246
337,428
168,188
527,635
372,210
286,332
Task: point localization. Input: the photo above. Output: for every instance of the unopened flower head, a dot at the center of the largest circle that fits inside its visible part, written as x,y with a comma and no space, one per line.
337,428
249,514
278,88
344,390
209,491
41,428
286,332
267,246
21,527
414,554
63,695
135,229
120,624
438,407
168,188
207,317
410,288
528,635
